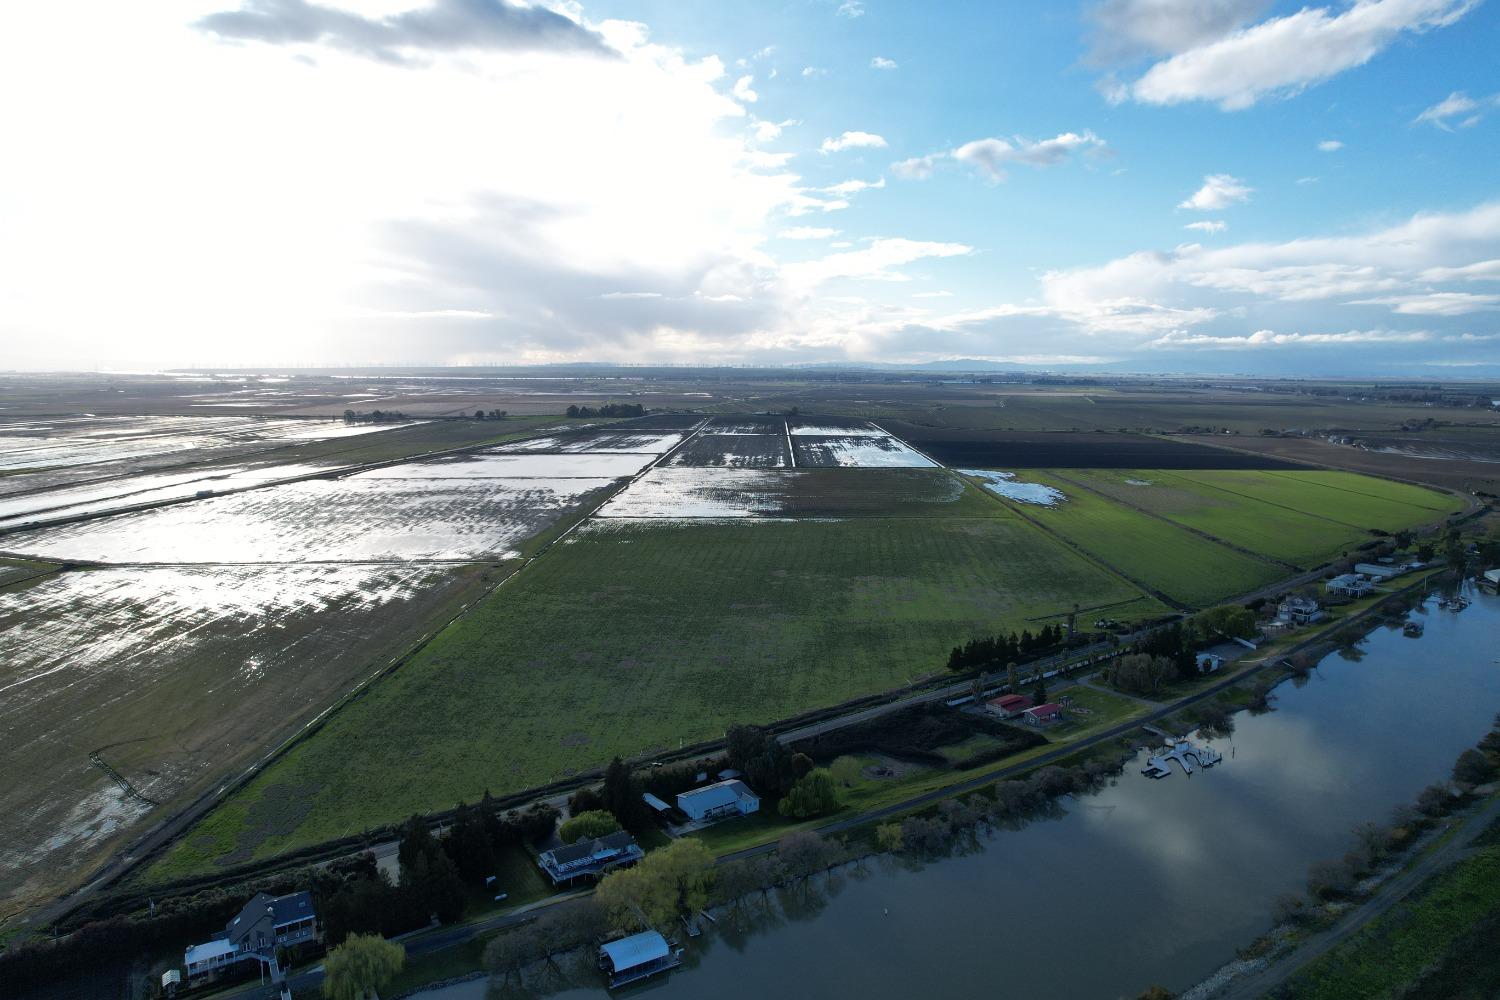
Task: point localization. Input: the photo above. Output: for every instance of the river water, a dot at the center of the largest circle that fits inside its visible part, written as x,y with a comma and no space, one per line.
1144,882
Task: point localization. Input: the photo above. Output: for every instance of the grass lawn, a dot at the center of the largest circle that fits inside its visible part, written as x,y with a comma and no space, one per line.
632,636
1421,936
1182,565
1298,538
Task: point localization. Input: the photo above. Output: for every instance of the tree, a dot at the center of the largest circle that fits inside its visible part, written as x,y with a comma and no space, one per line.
416,841
1039,690
588,826
846,770
802,852
666,883
360,967
813,795
1015,683
622,795
432,885
1231,620
888,837
1473,768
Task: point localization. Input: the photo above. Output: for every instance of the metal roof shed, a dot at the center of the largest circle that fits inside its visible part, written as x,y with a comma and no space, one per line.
636,957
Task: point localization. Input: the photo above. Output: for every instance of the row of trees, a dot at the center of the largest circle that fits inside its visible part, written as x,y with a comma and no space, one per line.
996,651
373,417
491,414
608,410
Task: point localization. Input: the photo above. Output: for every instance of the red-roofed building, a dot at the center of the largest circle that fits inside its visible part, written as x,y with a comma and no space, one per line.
1044,715
1008,706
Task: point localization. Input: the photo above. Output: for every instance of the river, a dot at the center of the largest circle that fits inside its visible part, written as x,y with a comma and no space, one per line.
1144,882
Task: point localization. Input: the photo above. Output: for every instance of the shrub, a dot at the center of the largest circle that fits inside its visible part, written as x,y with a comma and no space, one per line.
588,826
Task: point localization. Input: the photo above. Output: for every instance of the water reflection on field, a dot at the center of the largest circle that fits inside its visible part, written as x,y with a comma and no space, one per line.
1145,882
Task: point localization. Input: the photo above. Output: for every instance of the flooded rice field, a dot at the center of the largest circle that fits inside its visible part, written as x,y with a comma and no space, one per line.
45,444
351,519
689,493
829,427
719,448
1006,484
858,450
171,676
645,441
489,465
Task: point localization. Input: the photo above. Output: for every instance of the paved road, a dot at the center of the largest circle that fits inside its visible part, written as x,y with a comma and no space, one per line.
1392,892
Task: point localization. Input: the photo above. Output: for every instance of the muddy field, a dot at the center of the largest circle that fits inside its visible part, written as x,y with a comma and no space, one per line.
687,494
173,676
1019,450
859,451
741,451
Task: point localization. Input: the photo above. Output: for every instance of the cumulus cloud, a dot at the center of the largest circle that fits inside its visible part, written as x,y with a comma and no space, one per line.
992,156
1457,105
1330,146
1436,303
851,9
1219,191
852,140
881,62
918,167
813,72
742,90
1209,226
444,26
845,188
807,233
1127,29
1284,55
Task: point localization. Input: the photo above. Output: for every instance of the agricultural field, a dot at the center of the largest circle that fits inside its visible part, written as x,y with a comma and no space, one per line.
1061,450
174,676
1294,537
720,449
1186,567
1354,500
632,636
855,451
736,493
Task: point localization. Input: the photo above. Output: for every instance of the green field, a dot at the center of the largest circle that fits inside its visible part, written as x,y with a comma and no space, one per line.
1180,564
632,637
1343,497
1291,536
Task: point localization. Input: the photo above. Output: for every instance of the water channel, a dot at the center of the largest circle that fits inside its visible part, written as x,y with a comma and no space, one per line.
1145,882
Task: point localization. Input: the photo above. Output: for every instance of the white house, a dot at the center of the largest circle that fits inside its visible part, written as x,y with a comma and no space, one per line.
1350,585
716,801
1298,611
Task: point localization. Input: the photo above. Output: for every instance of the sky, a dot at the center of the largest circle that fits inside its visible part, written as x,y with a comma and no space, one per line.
1206,186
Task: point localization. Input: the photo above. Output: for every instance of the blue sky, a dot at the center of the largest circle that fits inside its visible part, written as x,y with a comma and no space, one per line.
477,181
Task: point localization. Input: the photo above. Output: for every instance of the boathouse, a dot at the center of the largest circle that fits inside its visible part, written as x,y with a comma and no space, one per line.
631,959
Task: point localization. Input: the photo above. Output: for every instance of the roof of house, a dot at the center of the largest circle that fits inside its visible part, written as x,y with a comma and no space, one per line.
720,793
207,951
1010,701
617,841
1051,708
638,949
283,910
654,802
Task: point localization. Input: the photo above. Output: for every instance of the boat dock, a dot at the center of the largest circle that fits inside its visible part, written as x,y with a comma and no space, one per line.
1182,751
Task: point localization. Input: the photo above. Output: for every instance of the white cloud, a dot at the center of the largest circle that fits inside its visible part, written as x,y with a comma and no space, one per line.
1436,303
918,167
1209,226
1284,55
1219,191
765,131
1127,29
743,92
855,186
1270,338
1484,270
807,233
631,295
881,62
1330,146
852,140
876,262
813,72
991,156
1457,105
932,295
851,8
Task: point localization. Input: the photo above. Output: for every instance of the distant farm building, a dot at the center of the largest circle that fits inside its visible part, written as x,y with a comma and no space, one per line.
1379,571
1209,662
657,805
718,801
1350,585
1008,706
1043,715
263,925
590,858
631,959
